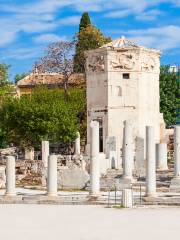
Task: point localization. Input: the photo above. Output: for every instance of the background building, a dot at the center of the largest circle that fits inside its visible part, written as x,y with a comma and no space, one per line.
51,80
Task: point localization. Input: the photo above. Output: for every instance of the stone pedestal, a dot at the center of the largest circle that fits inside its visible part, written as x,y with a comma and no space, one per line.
127,200
29,153
150,162
52,176
94,159
10,177
175,182
127,151
161,157
77,145
2,177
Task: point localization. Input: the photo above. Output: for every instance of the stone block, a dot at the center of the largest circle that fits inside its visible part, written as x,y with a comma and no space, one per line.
2,177
72,179
175,185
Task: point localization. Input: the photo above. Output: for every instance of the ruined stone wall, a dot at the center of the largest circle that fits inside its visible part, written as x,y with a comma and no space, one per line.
72,172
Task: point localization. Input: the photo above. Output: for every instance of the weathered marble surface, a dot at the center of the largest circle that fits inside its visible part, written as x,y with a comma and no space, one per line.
123,84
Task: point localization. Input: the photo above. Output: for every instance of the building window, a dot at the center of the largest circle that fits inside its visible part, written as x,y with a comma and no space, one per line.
126,76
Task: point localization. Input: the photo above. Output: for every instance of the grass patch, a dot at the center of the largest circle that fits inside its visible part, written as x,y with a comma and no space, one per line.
118,206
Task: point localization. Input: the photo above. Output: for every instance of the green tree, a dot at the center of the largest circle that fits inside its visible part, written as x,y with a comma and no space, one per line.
42,115
19,76
5,92
89,37
85,21
4,74
169,95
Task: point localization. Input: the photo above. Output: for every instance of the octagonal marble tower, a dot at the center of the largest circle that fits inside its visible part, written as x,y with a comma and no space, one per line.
123,84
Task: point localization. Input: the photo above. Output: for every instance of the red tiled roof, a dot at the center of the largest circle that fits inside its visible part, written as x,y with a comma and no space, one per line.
34,79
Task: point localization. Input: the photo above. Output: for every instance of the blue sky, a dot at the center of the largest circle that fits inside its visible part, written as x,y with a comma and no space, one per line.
27,27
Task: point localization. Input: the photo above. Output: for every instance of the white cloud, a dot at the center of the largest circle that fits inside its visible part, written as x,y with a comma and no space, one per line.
35,7
163,38
149,15
118,14
74,20
7,37
21,53
52,6
40,16
11,27
49,38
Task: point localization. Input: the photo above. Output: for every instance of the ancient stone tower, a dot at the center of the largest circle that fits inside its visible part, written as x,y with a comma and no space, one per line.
123,84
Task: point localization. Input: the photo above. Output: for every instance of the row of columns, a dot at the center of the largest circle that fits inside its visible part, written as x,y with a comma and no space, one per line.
151,156
52,176
151,161
45,149
95,162
11,177
50,163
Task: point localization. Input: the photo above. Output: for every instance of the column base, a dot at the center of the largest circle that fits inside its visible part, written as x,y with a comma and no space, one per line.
150,195
175,184
7,194
51,194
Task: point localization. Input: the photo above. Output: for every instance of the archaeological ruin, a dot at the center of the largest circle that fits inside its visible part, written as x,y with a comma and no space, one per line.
129,151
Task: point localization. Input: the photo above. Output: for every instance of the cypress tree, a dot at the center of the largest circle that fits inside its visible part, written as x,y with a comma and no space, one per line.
85,21
89,37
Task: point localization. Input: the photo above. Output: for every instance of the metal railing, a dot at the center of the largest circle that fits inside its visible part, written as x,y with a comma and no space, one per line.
115,199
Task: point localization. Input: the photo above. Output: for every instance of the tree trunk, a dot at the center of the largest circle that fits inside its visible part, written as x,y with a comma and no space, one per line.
66,90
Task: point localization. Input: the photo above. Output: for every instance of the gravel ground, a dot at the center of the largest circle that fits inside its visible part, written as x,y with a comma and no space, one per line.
51,222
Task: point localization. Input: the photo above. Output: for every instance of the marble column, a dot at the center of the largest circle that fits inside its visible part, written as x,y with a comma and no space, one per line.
150,162
161,156
175,182
177,152
127,151
29,153
45,152
52,176
77,144
10,176
94,159
127,200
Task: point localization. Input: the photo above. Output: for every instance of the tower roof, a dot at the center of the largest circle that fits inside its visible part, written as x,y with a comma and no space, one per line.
123,42
120,43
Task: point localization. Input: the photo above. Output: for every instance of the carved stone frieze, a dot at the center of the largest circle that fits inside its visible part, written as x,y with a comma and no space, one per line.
96,63
123,62
148,63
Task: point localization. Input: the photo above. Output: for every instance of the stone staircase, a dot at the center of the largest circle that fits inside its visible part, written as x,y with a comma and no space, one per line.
111,178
